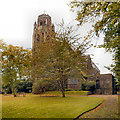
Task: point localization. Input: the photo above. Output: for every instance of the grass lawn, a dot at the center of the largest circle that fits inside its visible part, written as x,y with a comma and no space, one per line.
59,93
34,106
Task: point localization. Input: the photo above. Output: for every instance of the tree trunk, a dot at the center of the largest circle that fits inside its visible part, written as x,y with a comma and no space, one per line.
15,95
14,91
43,90
61,88
63,93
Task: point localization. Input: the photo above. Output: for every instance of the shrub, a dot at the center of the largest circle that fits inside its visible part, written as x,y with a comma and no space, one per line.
88,86
41,86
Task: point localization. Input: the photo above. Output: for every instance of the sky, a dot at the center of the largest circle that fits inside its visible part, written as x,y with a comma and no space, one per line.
17,19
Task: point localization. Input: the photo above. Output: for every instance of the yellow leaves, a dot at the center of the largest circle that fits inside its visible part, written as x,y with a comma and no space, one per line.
100,27
4,61
21,48
16,58
113,21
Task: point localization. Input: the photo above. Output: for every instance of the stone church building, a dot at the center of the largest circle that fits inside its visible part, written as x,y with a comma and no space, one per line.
43,30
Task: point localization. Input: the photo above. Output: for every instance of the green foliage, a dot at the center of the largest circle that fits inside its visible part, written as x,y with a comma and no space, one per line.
37,87
89,86
24,86
108,22
16,64
40,86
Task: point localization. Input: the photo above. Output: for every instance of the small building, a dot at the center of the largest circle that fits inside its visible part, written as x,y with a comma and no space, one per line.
105,84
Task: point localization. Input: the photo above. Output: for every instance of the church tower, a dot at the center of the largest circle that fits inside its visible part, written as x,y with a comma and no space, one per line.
43,32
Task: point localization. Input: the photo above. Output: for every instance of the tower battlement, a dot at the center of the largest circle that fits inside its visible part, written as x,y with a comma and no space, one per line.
43,28
43,21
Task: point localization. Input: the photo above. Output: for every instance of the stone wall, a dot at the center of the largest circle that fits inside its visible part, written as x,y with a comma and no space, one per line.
74,84
106,84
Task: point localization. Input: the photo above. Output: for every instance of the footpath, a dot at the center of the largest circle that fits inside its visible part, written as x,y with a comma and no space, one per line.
108,109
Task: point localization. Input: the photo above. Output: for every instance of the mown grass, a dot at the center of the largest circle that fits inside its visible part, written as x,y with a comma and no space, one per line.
34,106
59,93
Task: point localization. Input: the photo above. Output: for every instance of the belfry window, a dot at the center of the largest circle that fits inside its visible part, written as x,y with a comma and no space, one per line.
97,84
40,23
42,34
48,37
38,37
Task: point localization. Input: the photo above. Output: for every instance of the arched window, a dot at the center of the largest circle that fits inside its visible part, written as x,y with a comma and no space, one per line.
48,37
97,84
42,34
40,23
38,37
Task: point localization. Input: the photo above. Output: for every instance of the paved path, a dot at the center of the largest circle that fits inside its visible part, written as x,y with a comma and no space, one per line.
109,108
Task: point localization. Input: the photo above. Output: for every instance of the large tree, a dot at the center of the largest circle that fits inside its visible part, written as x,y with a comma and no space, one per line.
16,65
105,17
60,57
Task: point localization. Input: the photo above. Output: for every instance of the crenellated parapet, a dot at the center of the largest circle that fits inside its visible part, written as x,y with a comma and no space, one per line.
43,29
